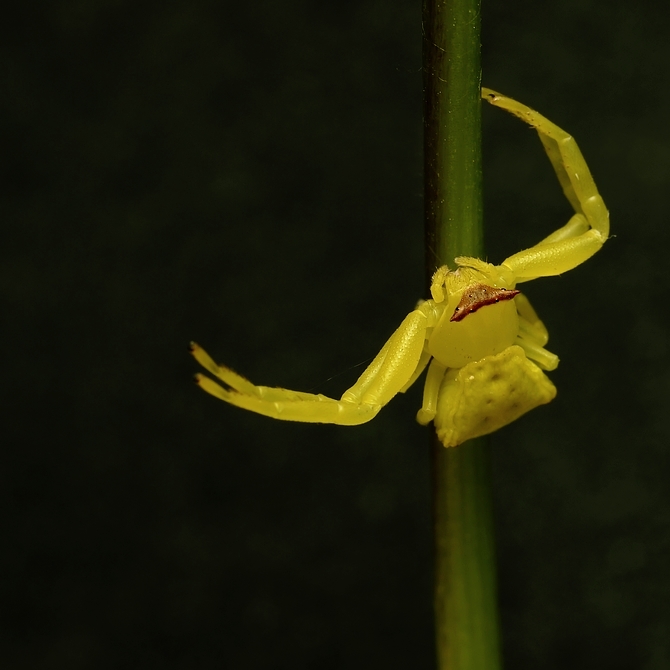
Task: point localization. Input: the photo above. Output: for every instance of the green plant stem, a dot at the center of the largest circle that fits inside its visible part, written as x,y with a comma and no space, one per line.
466,614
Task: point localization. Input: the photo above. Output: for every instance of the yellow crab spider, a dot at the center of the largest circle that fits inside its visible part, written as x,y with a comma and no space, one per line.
480,338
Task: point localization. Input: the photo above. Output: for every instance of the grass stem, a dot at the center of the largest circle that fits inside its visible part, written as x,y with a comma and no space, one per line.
466,613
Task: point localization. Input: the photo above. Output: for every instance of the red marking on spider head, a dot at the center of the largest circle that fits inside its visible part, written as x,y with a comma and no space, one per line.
478,296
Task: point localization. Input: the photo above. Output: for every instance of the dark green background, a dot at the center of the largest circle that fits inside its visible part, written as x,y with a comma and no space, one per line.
249,175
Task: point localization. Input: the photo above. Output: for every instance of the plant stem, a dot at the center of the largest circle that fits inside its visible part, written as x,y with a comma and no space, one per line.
466,613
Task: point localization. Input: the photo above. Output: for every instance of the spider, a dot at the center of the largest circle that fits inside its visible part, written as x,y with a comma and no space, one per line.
478,335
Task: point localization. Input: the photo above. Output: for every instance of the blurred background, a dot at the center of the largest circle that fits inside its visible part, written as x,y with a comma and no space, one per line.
249,176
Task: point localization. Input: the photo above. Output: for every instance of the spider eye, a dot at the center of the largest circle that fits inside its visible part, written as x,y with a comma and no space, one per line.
480,295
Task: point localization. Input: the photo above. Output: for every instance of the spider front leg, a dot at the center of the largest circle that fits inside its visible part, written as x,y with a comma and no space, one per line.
397,365
588,229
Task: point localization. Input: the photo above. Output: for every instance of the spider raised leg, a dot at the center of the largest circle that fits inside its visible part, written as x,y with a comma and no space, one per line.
587,230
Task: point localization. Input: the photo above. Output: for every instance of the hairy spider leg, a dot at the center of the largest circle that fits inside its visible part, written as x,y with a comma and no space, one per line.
400,361
588,229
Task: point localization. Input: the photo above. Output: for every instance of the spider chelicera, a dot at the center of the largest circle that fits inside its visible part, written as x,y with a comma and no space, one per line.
478,335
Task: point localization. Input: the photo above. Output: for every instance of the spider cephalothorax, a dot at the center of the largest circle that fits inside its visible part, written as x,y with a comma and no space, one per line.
478,335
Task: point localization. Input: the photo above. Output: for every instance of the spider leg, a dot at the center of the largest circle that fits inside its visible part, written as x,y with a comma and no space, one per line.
530,321
399,362
431,391
278,403
423,362
533,335
588,229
